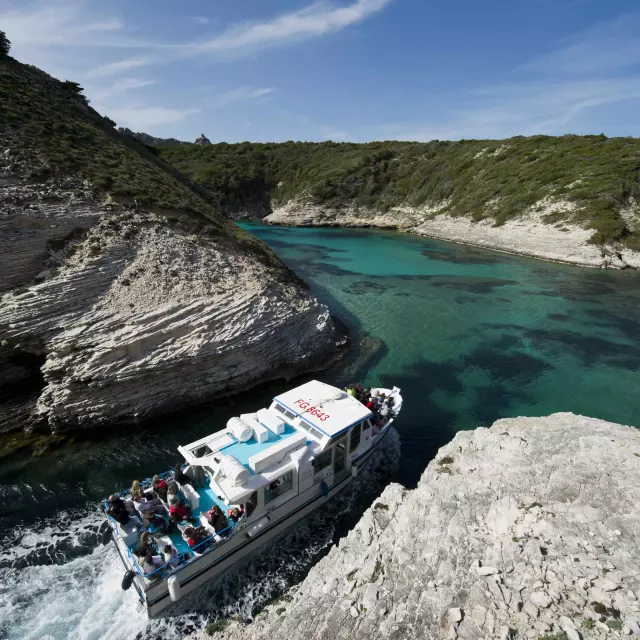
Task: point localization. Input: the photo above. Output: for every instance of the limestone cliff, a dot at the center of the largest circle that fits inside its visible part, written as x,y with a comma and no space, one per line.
525,530
126,293
528,234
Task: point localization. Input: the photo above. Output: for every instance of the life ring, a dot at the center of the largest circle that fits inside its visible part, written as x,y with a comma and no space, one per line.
127,580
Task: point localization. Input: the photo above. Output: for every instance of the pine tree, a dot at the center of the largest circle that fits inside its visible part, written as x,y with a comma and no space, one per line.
5,45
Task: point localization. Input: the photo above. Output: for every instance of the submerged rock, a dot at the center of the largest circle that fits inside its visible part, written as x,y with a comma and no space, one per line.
530,531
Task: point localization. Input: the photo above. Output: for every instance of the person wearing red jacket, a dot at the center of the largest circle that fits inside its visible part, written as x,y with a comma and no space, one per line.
179,511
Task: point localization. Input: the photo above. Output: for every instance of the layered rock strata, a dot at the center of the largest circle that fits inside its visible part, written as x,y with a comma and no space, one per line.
525,530
114,313
528,235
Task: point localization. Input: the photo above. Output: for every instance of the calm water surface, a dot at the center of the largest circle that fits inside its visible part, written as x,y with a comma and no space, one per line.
470,336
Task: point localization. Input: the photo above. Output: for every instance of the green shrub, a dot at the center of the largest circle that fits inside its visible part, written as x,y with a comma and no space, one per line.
597,174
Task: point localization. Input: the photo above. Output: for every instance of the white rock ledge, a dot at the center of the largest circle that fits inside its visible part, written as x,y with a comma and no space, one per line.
131,314
527,235
522,530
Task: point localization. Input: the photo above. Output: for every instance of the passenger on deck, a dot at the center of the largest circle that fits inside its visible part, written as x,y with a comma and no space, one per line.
144,545
179,511
179,476
155,520
351,390
146,505
173,491
118,510
194,536
169,553
136,489
384,413
390,401
235,514
160,487
151,563
370,404
216,519
359,392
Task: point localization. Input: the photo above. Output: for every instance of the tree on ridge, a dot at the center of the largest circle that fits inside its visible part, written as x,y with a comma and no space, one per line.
5,45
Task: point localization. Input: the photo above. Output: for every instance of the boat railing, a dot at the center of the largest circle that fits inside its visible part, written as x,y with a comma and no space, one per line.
208,544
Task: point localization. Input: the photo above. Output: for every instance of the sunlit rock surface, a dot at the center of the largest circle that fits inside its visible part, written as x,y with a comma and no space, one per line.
523,530
112,313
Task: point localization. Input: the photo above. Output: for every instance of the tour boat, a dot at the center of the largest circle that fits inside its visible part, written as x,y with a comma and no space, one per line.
275,466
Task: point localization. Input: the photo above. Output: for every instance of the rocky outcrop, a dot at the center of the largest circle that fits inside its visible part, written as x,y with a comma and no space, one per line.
530,234
202,139
151,140
113,312
525,530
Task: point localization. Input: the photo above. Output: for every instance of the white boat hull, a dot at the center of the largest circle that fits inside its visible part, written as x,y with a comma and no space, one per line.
156,596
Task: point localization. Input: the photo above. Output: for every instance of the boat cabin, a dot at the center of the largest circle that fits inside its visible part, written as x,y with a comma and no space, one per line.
308,436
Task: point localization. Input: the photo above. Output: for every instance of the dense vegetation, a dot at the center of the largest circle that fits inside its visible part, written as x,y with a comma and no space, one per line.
53,133
49,125
478,178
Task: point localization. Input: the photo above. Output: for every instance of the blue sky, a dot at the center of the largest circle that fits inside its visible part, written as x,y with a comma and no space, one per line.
267,70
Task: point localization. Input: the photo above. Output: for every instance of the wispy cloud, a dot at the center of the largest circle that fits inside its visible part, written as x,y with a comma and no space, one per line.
145,118
101,95
310,22
65,26
508,110
554,94
114,68
240,94
199,19
606,47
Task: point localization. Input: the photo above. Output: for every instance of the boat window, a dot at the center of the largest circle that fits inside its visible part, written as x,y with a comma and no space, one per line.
322,461
315,433
202,450
251,503
278,487
355,437
285,412
339,438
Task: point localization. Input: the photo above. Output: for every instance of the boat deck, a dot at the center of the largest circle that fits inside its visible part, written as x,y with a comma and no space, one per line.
208,499
244,450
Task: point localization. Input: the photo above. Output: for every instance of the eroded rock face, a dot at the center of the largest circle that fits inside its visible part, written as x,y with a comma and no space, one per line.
522,530
111,313
202,139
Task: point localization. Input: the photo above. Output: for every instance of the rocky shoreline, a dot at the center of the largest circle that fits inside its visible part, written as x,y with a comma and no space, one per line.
524,530
529,235
114,313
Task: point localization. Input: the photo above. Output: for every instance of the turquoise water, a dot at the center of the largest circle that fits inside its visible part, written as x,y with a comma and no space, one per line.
471,335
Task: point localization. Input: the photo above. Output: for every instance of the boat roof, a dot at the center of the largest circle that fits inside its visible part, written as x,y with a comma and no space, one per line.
326,408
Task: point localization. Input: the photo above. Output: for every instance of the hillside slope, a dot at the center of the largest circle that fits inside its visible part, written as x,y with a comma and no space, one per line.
583,191
126,293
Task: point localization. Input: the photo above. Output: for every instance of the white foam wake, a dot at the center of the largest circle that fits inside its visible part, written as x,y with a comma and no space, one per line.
50,596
